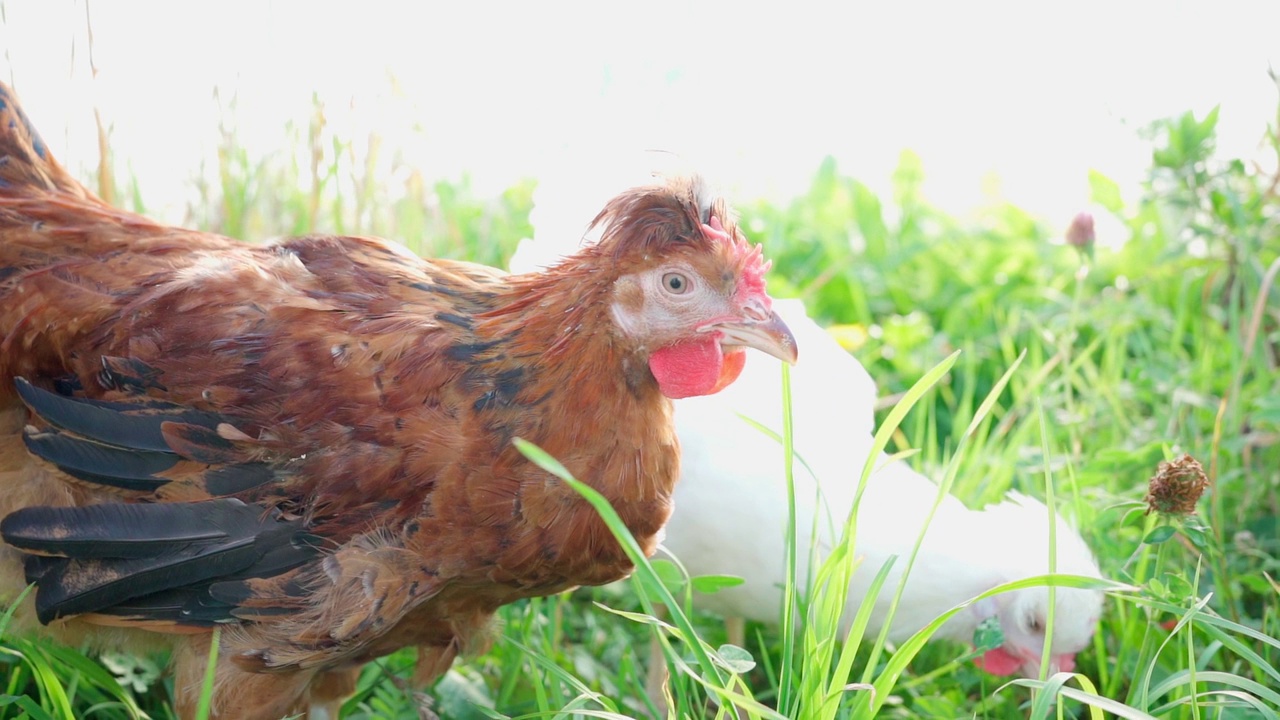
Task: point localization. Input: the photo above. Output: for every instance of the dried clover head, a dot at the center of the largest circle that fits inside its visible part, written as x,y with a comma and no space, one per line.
1176,487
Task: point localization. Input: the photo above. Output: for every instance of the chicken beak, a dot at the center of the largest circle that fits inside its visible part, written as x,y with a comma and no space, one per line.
762,330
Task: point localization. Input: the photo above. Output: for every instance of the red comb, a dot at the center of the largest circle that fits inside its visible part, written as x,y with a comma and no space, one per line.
754,265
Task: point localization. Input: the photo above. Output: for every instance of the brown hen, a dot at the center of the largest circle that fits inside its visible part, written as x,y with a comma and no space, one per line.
310,444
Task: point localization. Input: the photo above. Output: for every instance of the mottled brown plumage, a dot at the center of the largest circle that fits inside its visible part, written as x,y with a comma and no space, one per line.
309,444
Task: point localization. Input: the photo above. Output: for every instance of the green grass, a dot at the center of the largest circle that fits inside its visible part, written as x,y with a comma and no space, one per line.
1019,362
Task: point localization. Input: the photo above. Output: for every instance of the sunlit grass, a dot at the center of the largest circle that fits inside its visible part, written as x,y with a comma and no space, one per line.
1015,363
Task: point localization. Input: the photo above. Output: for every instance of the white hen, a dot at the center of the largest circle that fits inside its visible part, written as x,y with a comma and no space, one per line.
731,504
731,507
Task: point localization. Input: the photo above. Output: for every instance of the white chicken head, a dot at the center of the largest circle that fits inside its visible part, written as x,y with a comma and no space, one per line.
1023,616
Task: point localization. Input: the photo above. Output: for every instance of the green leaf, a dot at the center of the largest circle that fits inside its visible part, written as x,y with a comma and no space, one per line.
29,705
1046,698
708,584
1197,537
7,616
735,659
1156,587
641,618
869,216
670,575
988,635
462,697
1206,128
1093,700
1189,679
1180,587
205,703
1159,534
1104,191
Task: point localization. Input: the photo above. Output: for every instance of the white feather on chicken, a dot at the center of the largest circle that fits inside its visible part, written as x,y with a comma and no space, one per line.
731,504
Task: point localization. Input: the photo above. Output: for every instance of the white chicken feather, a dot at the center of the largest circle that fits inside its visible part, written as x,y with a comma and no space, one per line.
731,502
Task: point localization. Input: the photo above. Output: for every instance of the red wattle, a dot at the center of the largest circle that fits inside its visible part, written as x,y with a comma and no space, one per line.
697,367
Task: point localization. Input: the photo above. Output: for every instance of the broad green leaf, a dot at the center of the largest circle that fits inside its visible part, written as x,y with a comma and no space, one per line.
669,573
1104,191
1159,534
736,659
988,635
708,584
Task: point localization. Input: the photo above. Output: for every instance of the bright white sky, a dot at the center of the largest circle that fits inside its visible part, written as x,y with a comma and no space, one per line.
752,93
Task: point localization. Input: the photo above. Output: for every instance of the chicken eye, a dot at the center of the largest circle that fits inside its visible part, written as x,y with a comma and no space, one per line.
675,283
1034,625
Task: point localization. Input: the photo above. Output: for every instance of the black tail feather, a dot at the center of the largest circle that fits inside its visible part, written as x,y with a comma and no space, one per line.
129,375
142,470
198,605
113,553
75,456
130,530
141,444
73,586
128,425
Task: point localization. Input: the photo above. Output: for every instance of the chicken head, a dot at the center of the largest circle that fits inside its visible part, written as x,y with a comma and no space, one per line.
1024,616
